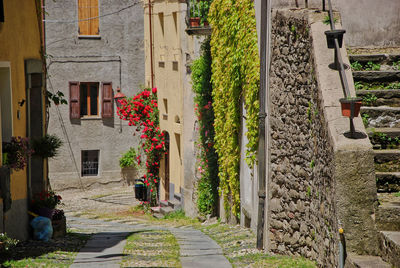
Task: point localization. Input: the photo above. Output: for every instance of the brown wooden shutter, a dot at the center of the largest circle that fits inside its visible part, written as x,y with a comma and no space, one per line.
74,101
107,104
94,13
83,15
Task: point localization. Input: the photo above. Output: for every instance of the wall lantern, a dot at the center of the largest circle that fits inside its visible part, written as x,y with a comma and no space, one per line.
118,97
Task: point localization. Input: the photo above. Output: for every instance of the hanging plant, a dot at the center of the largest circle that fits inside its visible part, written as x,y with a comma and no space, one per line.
46,146
16,153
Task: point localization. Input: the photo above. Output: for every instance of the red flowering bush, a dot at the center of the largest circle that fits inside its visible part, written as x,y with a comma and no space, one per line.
141,111
48,199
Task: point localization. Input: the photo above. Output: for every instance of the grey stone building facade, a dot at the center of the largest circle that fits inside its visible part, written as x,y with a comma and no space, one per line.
93,47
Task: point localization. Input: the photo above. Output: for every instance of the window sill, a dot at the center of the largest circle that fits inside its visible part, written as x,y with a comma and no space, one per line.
96,37
91,118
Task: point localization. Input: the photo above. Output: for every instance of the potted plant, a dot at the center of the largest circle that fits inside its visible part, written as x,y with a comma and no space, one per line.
16,153
58,221
194,19
347,103
129,165
45,202
46,146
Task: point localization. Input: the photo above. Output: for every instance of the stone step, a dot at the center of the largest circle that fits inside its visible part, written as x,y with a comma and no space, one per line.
389,131
388,216
375,58
358,261
390,247
381,117
178,197
166,210
175,204
385,97
376,76
164,203
382,156
388,182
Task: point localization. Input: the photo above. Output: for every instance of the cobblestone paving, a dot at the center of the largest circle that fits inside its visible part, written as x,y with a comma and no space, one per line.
106,246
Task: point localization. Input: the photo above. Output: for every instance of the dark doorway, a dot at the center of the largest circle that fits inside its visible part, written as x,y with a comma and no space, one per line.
166,166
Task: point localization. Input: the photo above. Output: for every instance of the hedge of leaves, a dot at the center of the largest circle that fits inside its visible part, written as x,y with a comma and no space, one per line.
207,188
235,75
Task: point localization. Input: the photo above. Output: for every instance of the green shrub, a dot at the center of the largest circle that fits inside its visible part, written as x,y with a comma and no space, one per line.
128,159
46,146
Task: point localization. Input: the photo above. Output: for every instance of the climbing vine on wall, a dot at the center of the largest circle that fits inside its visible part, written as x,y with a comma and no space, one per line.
235,75
207,188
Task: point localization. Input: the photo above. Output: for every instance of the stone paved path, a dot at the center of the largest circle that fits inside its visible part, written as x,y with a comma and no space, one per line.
105,248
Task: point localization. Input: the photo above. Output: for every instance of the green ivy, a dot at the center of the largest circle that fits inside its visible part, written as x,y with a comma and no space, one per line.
207,188
235,75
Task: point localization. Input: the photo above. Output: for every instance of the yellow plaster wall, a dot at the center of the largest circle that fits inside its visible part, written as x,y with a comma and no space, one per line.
19,40
166,49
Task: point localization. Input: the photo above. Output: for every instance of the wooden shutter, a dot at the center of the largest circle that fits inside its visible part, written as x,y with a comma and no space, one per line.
94,13
83,15
107,104
88,12
74,101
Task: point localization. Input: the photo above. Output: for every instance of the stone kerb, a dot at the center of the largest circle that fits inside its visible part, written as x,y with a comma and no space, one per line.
354,173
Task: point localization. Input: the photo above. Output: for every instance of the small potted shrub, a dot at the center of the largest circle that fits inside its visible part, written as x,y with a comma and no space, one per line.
194,19
129,166
58,221
46,146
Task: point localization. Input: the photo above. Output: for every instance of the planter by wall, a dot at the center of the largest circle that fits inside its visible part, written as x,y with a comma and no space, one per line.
59,227
129,175
194,22
346,106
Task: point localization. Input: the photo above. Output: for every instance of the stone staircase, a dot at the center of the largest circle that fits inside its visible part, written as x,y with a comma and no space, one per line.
377,81
168,206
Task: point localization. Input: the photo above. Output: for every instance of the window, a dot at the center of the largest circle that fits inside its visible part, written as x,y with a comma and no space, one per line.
84,99
1,11
90,163
89,95
88,15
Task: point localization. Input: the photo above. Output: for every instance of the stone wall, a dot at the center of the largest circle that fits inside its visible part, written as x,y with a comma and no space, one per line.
319,179
302,190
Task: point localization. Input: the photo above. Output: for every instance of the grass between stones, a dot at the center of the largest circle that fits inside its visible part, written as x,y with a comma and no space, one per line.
59,252
151,248
239,246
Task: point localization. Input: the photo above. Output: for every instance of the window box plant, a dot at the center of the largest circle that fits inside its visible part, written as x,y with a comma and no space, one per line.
347,103
194,20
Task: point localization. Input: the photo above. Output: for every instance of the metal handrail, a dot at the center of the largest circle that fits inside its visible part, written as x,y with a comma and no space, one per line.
340,66
338,56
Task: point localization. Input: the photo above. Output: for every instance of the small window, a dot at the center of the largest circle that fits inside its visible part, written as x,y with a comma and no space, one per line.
88,16
1,11
89,95
90,163
175,65
161,64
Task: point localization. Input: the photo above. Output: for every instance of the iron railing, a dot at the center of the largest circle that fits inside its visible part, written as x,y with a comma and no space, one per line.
337,39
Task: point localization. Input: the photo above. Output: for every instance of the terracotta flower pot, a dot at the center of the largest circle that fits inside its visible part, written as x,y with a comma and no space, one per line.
346,106
195,22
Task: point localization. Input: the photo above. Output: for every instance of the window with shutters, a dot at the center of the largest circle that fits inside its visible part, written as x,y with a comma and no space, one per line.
88,16
84,100
89,96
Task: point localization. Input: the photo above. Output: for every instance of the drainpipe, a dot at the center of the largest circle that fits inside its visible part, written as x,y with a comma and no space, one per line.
262,141
151,48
